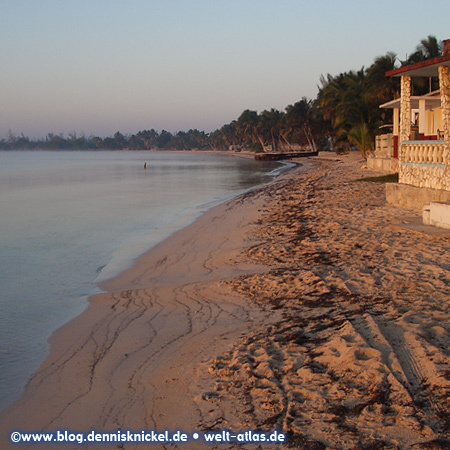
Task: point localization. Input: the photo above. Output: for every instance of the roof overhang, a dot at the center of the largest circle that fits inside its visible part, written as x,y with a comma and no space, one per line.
428,68
430,103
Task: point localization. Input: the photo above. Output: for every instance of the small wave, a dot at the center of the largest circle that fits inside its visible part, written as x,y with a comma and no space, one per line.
284,166
99,269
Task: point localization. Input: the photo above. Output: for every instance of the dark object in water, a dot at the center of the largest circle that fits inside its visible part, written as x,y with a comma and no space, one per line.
279,156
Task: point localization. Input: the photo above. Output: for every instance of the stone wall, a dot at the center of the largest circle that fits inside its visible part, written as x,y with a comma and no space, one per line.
414,197
389,165
423,176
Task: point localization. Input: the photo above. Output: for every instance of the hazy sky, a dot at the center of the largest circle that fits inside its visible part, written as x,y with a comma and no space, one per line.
99,66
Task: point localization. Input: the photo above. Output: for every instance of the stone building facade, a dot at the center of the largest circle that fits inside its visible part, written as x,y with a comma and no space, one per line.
424,164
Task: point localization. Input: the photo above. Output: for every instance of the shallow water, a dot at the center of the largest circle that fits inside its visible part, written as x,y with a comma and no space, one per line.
70,219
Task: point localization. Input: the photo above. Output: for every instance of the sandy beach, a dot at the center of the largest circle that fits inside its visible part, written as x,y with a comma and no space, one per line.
305,306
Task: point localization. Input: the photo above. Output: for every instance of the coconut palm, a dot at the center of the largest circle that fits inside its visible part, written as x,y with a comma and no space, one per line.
298,123
344,101
247,127
270,125
223,138
428,48
362,138
380,88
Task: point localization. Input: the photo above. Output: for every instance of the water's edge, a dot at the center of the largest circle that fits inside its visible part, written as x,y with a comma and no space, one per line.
113,268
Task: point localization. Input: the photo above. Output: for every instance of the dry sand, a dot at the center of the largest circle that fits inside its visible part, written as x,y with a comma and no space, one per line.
300,306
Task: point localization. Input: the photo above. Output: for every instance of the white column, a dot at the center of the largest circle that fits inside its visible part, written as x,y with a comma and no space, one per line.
396,121
423,119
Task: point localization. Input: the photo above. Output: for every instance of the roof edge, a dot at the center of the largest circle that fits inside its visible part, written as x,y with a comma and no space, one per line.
420,65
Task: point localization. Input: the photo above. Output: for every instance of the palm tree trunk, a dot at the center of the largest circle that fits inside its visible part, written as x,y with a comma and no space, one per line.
263,145
289,146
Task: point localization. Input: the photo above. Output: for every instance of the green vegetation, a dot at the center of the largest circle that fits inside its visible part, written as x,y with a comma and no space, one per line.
144,140
389,178
344,115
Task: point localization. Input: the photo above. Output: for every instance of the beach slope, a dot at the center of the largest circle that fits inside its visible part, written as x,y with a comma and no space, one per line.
304,306
130,361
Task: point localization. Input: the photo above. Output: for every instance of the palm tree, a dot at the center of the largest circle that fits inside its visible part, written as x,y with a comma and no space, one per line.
246,127
428,48
361,137
344,100
298,123
329,97
380,88
228,135
350,100
269,128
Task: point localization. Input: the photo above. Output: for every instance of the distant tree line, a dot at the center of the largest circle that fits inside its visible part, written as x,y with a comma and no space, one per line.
143,140
345,113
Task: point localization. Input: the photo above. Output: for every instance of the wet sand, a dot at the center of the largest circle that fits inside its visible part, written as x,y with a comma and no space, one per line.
301,306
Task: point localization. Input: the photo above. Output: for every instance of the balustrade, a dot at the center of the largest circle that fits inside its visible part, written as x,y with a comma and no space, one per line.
423,152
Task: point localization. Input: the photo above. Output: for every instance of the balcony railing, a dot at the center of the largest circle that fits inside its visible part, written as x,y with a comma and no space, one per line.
422,152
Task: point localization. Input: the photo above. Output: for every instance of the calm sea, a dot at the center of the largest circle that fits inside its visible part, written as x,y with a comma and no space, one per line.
69,219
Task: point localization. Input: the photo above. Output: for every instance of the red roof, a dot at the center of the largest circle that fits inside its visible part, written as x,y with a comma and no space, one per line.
427,68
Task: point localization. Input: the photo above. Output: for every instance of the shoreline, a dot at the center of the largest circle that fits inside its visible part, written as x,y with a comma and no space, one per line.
295,306
126,277
133,230
66,358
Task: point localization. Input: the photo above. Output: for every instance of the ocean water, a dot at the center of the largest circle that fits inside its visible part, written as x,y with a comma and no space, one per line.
71,219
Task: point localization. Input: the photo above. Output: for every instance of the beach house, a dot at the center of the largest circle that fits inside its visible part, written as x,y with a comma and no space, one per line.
421,137
426,125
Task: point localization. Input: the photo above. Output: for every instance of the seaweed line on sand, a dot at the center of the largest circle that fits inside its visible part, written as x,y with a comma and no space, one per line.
356,355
